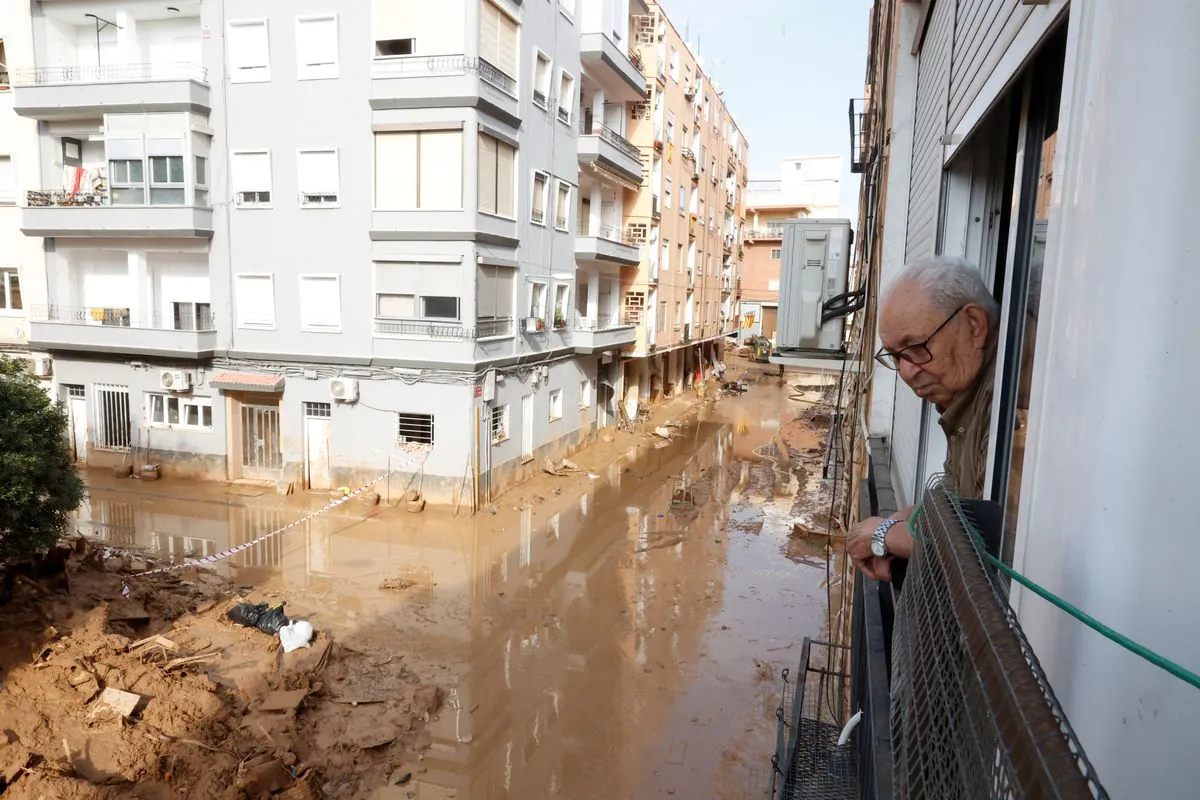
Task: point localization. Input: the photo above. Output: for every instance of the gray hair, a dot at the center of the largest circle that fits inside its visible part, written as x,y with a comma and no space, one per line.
949,284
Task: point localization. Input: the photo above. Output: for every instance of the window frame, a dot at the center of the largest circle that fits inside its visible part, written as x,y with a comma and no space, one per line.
152,184
269,191
569,110
319,72
501,432
566,220
585,393
197,315
555,405
560,301
238,73
200,191
536,301
402,439
307,326
516,154
114,185
239,320
8,196
538,55
416,166
182,401
7,276
545,198
336,202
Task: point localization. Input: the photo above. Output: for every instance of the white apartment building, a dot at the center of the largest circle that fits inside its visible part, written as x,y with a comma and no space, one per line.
303,242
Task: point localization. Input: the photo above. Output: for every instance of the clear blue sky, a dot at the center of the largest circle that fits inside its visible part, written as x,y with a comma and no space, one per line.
788,68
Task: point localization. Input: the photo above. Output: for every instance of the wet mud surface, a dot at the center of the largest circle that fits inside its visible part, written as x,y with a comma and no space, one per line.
614,633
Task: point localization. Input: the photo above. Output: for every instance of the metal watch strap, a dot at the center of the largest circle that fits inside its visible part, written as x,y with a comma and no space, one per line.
880,535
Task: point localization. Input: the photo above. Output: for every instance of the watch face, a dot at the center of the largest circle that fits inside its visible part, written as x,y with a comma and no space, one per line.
879,549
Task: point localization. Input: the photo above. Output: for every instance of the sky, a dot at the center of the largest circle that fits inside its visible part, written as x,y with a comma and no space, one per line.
788,69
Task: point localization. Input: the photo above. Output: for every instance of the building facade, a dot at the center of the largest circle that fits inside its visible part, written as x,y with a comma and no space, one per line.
22,262
979,137
683,291
428,263
807,187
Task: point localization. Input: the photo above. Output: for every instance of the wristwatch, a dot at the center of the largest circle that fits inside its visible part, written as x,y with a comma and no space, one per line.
879,539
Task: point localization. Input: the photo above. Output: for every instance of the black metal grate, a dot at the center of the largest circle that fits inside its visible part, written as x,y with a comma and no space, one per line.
973,714
812,713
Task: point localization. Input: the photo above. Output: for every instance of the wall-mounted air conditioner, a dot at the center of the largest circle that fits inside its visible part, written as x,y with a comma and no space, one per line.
813,300
343,390
175,380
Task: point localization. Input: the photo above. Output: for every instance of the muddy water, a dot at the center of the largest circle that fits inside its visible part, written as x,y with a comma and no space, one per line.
596,640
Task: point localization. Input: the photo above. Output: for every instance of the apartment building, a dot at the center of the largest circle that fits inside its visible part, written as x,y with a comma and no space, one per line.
808,186
307,242
683,291
22,263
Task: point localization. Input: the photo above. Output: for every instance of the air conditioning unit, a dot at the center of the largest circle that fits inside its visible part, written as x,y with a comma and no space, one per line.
343,390
175,380
40,367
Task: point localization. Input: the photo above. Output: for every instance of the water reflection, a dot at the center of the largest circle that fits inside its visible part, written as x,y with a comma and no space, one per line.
571,629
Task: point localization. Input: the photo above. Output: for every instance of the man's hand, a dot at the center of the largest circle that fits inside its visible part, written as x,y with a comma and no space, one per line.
898,540
858,547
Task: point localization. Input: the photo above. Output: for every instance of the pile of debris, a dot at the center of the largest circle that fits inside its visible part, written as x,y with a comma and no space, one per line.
160,694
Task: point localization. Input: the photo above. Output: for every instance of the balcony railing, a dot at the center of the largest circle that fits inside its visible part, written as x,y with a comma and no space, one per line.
564,115
537,215
123,318
858,135
4,84
612,137
427,66
601,323
687,153
109,73
636,59
769,232
613,233
36,198
484,329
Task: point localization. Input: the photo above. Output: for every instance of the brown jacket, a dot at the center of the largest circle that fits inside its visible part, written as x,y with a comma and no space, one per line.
966,423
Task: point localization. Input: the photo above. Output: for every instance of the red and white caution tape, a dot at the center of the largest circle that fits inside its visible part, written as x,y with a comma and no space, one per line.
224,554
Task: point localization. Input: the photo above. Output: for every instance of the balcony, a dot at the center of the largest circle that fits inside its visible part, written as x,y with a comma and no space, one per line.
410,82
611,66
115,330
66,214
607,151
607,243
484,329
597,334
59,93
769,232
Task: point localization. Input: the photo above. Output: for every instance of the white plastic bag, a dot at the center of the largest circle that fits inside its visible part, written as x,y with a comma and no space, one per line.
295,635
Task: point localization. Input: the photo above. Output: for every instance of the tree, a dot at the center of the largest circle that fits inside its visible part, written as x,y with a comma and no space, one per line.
39,488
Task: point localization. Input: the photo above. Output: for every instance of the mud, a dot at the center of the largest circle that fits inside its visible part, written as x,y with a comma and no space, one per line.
583,636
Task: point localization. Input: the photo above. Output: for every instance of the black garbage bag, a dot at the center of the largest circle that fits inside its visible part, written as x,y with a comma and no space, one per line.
268,619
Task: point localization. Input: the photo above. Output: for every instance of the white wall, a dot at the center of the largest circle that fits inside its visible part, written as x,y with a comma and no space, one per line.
1109,484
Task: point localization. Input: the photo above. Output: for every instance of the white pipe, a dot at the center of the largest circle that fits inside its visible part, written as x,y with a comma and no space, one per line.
851,724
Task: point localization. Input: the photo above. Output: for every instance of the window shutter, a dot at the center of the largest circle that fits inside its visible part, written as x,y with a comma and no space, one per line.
391,19
255,300
396,306
487,173
248,45
505,281
316,41
320,302
441,170
318,172
489,33
252,172
506,165
396,171
507,46
539,193
485,293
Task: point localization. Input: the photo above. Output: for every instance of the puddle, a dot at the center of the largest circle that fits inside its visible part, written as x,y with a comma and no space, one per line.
604,643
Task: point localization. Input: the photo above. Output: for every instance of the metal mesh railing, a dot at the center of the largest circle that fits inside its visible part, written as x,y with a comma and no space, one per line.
808,761
109,73
973,714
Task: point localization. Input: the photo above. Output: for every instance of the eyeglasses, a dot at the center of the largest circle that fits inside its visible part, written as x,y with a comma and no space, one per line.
914,353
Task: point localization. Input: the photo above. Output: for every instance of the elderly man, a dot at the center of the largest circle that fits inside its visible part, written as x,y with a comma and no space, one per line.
938,323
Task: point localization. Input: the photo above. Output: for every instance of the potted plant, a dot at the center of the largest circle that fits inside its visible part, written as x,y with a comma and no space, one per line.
560,321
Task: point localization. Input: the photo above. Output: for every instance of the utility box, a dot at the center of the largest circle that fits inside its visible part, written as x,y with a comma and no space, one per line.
813,271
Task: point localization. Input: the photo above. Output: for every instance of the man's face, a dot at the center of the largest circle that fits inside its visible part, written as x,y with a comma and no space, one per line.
908,318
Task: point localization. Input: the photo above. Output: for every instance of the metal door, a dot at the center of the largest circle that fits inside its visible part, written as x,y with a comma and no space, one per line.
77,421
316,445
261,456
527,426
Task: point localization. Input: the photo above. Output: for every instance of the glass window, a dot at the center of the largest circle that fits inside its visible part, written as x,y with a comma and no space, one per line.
166,181
127,182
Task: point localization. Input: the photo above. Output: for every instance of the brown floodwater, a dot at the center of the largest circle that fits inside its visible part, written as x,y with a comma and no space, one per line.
594,640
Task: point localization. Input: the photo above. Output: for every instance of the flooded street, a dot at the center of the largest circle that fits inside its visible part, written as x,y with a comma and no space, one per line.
594,639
